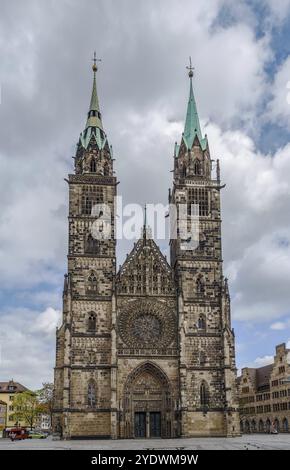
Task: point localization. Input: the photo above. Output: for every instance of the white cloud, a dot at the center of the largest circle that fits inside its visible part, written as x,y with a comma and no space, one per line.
278,11
27,345
47,321
264,361
279,106
256,232
279,325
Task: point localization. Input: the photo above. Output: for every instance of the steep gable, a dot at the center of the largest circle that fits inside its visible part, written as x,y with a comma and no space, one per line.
145,271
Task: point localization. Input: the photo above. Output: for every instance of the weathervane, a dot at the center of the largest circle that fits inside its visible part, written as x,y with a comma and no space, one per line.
190,68
95,60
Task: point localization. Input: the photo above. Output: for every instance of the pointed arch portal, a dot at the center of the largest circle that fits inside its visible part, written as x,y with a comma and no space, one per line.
147,404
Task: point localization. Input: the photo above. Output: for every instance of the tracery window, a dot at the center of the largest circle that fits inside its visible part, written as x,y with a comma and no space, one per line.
91,195
92,322
201,323
200,288
204,394
92,245
92,394
93,166
199,197
197,167
92,286
201,358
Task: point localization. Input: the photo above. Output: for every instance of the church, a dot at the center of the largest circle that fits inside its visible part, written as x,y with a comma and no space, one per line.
147,350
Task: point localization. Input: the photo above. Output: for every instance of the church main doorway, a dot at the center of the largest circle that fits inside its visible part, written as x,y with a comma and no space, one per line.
140,424
155,424
147,424
147,408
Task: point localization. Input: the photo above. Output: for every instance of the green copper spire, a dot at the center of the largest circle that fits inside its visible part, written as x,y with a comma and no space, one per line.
192,125
93,132
94,115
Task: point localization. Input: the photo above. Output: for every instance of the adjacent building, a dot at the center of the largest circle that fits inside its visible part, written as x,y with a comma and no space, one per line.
3,416
147,351
44,422
7,394
265,395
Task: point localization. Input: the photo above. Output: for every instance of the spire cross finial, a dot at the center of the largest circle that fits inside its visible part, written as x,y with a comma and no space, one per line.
145,223
95,60
190,68
145,216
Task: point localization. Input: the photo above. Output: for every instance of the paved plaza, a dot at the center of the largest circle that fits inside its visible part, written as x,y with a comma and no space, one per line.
246,442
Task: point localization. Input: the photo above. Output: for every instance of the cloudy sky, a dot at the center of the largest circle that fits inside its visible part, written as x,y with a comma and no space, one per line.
240,50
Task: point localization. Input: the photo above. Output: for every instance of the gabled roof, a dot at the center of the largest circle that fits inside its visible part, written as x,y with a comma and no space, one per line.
259,376
4,387
147,260
263,375
147,248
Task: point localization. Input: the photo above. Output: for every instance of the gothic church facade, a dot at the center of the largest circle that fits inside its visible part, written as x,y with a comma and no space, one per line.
147,351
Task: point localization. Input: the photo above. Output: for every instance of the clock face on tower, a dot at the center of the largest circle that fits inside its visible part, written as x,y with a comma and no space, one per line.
146,324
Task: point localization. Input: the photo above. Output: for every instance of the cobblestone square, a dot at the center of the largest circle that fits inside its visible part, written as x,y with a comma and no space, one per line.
246,442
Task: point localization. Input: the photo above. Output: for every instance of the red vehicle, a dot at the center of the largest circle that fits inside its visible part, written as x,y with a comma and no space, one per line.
17,434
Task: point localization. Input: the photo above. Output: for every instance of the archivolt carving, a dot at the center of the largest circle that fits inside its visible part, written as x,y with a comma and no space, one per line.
147,375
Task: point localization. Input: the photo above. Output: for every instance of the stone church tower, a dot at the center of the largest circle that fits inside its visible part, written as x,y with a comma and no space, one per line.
148,351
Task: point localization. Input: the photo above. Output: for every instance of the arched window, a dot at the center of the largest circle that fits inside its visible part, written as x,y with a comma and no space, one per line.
261,426
197,167
91,357
200,289
92,394
106,169
201,323
92,245
268,425
92,322
253,426
201,241
88,206
202,358
204,394
93,166
92,283
277,425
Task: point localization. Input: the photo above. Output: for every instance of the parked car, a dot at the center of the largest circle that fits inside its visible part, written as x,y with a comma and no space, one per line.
18,434
36,435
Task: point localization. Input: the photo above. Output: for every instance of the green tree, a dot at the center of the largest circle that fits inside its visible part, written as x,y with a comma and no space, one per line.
26,407
45,397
